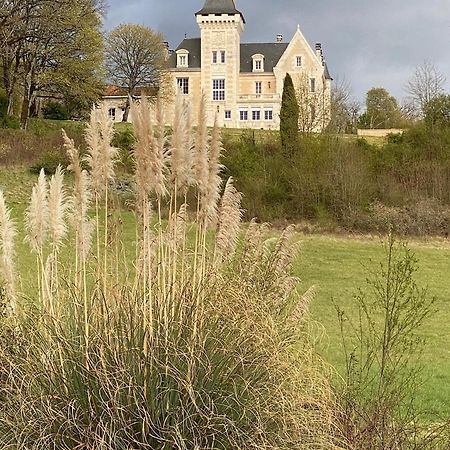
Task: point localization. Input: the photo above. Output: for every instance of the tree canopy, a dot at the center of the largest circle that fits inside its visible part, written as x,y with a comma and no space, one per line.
135,57
382,110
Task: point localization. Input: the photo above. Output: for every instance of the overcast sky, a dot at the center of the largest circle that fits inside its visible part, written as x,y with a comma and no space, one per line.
367,42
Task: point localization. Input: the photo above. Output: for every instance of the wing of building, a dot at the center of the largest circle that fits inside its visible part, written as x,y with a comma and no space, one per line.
243,83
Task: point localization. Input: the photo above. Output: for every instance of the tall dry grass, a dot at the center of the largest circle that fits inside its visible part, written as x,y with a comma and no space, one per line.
199,342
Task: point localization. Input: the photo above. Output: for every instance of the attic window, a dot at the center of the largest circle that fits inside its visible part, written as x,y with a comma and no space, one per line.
258,63
182,58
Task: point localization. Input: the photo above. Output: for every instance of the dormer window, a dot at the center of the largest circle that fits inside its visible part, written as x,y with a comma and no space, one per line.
182,58
258,63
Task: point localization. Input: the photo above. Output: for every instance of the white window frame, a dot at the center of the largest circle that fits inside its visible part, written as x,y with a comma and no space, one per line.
183,85
112,113
258,63
182,58
266,112
242,112
218,89
256,111
258,87
227,113
298,61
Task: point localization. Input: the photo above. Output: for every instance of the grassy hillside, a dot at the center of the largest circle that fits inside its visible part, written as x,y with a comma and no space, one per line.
337,266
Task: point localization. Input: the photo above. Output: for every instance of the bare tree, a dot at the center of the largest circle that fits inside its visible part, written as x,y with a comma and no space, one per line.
135,57
344,107
313,98
426,84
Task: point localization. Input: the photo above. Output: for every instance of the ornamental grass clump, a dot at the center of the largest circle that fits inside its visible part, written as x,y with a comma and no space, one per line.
195,339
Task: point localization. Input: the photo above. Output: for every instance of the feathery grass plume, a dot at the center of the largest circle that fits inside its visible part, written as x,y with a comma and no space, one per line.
230,216
176,228
189,146
81,200
181,172
7,255
212,195
108,153
148,152
58,205
302,305
160,156
94,160
253,247
142,150
38,215
201,150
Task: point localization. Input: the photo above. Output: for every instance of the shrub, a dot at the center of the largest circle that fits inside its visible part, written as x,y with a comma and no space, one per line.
189,343
382,360
55,111
50,160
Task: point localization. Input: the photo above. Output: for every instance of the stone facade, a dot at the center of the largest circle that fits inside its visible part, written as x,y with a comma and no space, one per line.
243,83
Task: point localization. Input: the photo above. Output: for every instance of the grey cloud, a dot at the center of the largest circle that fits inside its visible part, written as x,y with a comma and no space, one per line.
369,43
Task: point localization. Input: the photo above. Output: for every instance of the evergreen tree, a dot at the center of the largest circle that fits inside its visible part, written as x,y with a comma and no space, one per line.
289,115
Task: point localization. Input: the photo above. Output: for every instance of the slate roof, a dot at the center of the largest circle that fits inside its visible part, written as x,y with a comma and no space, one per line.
327,73
194,47
272,53
219,7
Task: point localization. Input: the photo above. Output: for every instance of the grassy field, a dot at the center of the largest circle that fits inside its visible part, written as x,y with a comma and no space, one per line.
337,266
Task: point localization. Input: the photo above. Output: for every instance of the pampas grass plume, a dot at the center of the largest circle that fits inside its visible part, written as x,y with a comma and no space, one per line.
38,215
212,194
230,216
58,206
7,254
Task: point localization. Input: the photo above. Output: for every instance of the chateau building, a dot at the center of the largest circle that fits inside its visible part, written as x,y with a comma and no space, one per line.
243,83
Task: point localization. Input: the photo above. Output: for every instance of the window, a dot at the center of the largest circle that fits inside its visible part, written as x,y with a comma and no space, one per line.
256,114
214,57
222,57
219,89
228,114
258,62
183,85
298,61
182,58
112,114
313,84
258,86
268,114
243,114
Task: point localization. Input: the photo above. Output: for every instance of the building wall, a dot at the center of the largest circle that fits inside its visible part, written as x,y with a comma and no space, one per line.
220,33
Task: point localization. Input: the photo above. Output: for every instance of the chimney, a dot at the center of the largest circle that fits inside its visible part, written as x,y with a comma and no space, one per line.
319,52
166,47
279,38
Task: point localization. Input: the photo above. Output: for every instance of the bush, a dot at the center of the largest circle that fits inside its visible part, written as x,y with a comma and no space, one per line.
55,111
382,360
9,122
50,160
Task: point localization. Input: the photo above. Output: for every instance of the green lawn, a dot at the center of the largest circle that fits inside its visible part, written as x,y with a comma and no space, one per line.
337,266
